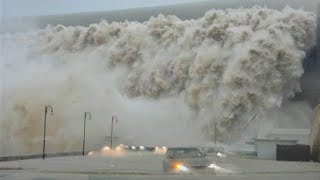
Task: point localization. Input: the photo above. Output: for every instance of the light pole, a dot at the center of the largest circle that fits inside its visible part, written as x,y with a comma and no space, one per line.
215,126
112,119
215,133
46,108
87,115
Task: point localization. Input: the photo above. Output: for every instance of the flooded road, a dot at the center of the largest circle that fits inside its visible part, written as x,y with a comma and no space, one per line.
141,165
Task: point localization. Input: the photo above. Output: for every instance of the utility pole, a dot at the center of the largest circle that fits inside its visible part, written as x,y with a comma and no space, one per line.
46,108
215,133
215,125
87,115
112,119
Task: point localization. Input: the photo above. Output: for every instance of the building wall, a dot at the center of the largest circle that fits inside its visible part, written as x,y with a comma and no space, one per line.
302,135
267,149
315,131
302,139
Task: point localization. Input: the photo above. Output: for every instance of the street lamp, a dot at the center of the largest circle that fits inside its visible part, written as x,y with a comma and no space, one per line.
46,108
87,115
112,119
215,133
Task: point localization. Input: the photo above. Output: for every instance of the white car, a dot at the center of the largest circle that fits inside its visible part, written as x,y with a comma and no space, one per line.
185,160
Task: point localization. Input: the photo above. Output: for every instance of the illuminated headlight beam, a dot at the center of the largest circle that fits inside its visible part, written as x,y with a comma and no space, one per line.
182,167
106,148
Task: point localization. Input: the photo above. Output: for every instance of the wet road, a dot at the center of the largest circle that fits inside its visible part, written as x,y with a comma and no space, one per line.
149,166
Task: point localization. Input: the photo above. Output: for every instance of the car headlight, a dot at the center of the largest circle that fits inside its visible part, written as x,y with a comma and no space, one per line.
180,167
119,148
106,148
183,168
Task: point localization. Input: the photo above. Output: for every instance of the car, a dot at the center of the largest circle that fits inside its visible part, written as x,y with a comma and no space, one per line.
185,160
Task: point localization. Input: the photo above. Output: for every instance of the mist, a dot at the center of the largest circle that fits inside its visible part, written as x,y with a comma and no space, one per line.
167,80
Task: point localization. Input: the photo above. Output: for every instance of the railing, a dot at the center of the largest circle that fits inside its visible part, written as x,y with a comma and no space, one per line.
35,156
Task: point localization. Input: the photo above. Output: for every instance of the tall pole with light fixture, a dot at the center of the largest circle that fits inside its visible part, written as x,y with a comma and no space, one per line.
46,108
116,120
215,133
87,115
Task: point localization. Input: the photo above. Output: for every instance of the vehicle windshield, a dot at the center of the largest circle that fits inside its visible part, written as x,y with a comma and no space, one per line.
185,153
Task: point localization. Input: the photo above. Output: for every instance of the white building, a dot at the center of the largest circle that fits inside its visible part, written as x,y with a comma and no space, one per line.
266,144
267,148
301,135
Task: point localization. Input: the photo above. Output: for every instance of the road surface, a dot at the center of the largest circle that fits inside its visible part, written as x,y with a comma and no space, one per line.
147,166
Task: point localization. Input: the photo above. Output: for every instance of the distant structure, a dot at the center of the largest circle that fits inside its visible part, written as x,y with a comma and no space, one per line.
267,148
300,135
315,136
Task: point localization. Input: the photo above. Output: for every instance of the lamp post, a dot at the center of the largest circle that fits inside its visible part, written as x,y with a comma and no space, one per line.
112,119
87,115
215,133
215,125
46,108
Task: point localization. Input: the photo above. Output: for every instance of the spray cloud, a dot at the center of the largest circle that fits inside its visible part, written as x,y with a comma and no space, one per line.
160,76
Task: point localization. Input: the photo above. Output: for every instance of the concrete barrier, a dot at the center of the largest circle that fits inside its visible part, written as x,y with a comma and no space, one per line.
35,156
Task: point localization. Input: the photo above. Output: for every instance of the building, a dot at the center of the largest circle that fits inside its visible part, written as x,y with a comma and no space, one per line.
315,136
267,148
301,135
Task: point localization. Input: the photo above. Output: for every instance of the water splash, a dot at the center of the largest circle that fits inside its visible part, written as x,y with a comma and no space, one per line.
224,67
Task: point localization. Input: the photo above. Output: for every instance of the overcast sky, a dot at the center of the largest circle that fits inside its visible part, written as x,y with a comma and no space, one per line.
17,8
